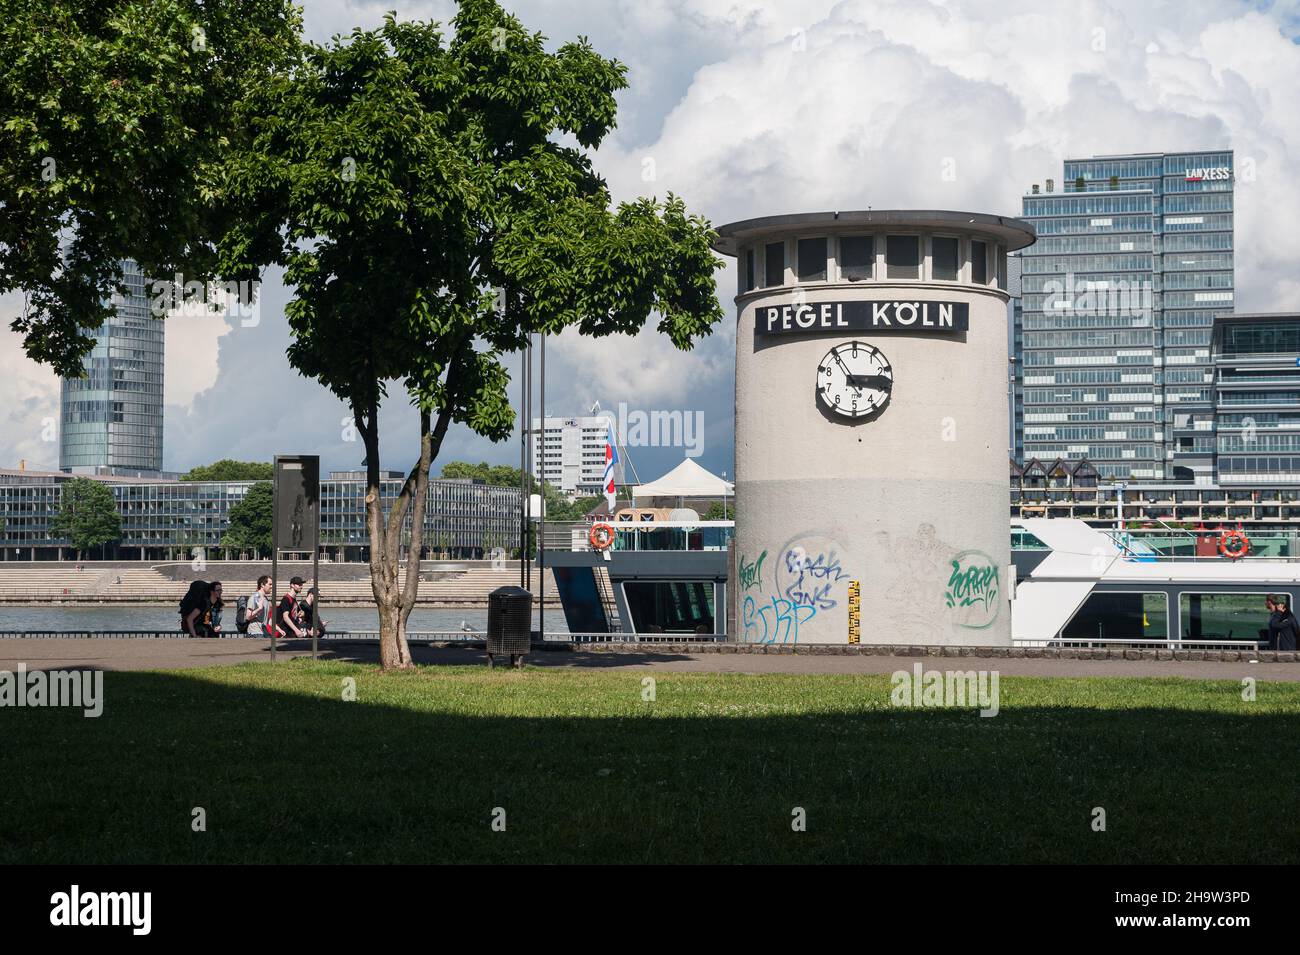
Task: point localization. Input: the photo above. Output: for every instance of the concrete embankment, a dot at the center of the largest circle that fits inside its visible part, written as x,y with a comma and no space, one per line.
443,584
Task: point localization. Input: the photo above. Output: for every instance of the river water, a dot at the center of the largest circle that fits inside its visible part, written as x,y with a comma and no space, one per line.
166,618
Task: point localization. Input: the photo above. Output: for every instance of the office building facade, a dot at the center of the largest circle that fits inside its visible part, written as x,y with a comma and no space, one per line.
569,453
1257,398
1015,370
1133,262
171,520
111,421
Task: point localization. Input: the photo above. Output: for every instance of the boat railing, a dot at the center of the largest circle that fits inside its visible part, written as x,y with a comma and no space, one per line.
1180,643
1171,544
643,534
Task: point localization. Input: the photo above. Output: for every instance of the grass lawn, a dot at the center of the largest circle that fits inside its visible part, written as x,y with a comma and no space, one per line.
586,770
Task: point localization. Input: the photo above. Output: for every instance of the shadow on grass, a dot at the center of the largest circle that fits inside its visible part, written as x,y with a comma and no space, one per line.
288,772
562,656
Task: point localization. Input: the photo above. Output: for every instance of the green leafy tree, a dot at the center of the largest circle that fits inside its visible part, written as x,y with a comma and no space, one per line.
228,470
576,510
434,203
88,515
114,119
250,521
720,511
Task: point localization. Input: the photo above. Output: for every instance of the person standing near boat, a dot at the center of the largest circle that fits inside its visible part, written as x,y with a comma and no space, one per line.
1274,618
1288,628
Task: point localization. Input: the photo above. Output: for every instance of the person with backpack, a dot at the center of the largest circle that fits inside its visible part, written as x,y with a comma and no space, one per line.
253,614
196,608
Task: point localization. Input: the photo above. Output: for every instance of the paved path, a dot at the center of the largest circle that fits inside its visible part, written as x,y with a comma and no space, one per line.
143,654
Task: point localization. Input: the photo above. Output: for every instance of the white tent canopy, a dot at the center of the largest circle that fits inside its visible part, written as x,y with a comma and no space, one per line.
688,479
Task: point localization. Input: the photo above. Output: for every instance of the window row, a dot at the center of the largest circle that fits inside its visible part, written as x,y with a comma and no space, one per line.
1089,225
1094,452
1256,465
1033,262
864,258
1069,320
1259,443
1197,202
1088,339
1084,204
1069,244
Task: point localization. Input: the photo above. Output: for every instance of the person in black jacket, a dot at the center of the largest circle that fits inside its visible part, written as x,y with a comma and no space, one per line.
1274,619
1288,628
197,609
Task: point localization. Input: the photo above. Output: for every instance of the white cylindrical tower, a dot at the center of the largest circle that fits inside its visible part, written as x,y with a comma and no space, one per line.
871,422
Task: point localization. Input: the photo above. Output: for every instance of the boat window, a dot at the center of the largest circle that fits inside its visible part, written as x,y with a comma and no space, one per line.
1211,616
1021,539
670,606
1127,616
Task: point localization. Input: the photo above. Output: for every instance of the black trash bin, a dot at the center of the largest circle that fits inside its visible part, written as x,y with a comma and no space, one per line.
509,629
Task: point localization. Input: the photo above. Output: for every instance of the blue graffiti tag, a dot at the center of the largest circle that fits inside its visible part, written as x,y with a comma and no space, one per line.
780,620
815,577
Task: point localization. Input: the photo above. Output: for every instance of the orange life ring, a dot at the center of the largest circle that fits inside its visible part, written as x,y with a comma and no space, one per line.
601,536
1234,544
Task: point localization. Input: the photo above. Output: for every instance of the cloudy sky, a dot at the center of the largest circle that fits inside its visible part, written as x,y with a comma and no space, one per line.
757,107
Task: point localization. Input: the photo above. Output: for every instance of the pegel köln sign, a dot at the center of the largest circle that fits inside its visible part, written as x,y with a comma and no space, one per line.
901,315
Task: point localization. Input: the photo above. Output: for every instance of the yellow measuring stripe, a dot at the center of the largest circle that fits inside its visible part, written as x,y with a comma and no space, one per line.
855,612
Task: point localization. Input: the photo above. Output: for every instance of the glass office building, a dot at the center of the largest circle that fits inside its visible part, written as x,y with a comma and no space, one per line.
111,421
171,520
1015,372
1133,261
1257,393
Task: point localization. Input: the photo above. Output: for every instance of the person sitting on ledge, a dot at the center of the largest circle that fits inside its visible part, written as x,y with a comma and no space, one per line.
287,614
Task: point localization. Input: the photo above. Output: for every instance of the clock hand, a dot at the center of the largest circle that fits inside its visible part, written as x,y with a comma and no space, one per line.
879,382
842,365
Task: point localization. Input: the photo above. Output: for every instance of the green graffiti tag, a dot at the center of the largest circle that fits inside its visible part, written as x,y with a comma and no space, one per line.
974,590
751,574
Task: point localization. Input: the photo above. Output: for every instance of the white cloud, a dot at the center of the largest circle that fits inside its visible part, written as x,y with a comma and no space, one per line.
29,401
741,120
190,347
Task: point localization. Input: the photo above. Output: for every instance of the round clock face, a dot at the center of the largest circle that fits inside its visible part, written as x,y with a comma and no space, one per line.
854,380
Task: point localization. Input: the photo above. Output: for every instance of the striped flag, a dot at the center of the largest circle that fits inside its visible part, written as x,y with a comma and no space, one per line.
611,459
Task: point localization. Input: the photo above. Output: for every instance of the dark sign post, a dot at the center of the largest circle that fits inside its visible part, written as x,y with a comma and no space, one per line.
296,523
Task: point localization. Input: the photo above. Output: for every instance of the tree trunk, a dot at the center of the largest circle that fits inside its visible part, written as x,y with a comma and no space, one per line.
395,602
393,650
430,443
